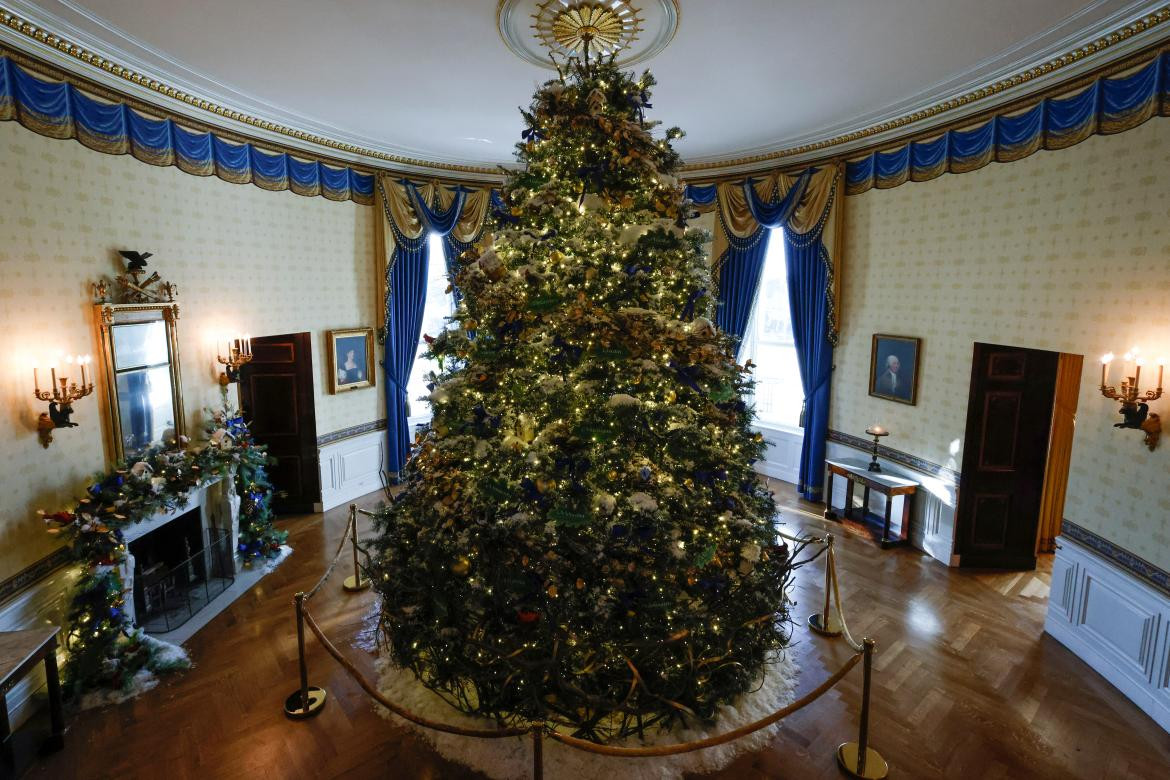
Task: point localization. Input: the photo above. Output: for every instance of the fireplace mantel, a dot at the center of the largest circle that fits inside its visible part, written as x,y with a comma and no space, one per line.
219,507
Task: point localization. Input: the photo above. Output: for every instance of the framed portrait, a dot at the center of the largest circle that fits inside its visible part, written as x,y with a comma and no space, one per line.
351,359
893,368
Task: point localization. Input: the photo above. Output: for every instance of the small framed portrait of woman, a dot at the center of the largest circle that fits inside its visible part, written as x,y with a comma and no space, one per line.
351,359
893,368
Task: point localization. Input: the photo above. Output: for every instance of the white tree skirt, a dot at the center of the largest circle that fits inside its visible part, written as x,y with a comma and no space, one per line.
511,758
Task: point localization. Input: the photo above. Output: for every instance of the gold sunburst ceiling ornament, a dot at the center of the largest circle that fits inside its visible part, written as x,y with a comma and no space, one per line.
630,31
586,28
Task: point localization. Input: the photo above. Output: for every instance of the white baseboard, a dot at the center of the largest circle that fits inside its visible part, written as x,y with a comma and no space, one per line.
1115,623
351,468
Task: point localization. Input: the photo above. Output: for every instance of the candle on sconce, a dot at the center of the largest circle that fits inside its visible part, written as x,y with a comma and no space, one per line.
248,344
1106,359
36,378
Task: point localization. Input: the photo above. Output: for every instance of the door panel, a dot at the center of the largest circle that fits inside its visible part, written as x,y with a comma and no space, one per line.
1001,420
1009,416
276,391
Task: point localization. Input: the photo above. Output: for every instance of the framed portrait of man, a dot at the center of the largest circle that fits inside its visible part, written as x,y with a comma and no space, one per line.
351,359
893,368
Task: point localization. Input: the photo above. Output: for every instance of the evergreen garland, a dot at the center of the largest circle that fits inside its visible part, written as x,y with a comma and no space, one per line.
104,649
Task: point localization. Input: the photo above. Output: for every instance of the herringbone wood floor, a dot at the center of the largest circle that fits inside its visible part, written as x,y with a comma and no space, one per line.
966,686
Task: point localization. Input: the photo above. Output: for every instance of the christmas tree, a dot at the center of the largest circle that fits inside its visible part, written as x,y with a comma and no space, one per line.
581,539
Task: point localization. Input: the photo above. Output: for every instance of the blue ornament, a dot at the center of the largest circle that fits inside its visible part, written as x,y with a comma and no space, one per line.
618,531
645,473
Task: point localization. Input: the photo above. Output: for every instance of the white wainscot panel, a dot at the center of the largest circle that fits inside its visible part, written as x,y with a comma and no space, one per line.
1115,622
782,459
44,603
351,468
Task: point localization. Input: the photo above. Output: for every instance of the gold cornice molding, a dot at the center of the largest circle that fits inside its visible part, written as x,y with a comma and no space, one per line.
1139,59
1150,21
709,171
83,55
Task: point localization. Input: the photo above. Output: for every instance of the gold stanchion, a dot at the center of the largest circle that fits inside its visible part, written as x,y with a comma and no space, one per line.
858,759
355,583
819,621
306,701
537,754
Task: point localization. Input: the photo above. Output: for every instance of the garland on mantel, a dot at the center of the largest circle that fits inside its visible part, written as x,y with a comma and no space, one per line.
104,649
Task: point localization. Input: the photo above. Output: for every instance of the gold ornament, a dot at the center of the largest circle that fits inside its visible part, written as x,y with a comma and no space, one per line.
462,566
671,396
552,591
580,584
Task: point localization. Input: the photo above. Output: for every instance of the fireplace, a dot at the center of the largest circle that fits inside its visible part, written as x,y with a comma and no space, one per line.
179,568
181,560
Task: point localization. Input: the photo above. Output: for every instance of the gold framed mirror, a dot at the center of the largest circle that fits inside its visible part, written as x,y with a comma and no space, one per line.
144,387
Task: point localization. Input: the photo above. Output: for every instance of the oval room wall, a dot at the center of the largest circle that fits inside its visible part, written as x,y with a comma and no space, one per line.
262,262
1067,252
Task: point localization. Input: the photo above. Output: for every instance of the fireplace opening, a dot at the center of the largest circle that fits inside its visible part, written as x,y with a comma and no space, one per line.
178,570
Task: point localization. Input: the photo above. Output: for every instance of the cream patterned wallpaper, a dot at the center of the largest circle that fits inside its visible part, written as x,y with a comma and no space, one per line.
1066,251
244,259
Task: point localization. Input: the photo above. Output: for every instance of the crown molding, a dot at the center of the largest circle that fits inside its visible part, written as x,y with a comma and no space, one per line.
29,29
1118,38
151,77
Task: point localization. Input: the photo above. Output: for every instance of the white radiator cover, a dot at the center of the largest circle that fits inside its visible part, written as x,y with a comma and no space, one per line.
1115,622
351,468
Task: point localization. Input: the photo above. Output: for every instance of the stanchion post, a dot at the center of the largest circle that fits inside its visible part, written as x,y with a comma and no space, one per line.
355,583
858,759
306,701
819,622
537,753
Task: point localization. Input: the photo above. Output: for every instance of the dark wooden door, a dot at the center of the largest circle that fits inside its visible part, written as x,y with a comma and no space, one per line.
1009,416
276,394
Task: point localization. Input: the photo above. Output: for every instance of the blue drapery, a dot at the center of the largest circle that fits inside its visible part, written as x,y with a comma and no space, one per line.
809,300
406,293
738,270
808,267
61,110
1107,105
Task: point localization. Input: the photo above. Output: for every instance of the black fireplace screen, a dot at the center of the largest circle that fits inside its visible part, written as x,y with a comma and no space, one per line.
166,597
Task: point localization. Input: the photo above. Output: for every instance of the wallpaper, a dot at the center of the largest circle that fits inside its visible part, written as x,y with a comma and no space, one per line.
1066,251
244,260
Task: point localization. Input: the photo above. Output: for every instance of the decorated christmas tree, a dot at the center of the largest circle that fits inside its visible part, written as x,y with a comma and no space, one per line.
581,538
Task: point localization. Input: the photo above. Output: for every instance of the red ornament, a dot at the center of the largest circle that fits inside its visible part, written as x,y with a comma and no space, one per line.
527,616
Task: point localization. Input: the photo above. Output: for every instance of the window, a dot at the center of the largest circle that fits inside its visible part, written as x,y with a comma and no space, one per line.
438,307
769,344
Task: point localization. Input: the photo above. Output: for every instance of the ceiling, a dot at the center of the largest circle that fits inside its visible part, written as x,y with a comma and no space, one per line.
432,79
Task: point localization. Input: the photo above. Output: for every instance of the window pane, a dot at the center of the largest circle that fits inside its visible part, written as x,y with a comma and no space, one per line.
769,344
439,306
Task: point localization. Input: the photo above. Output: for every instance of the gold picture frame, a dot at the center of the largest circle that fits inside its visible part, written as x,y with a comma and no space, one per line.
899,381
351,359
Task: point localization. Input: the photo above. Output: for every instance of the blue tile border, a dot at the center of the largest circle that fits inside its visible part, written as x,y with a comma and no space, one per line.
32,574
896,456
345,433
1138,567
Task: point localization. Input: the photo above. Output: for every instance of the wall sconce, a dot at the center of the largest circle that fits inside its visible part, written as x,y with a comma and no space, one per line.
60,395
1135,407
877,432
239,352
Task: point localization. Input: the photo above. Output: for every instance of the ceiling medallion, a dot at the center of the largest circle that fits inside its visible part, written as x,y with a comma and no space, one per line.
536,29
587,28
